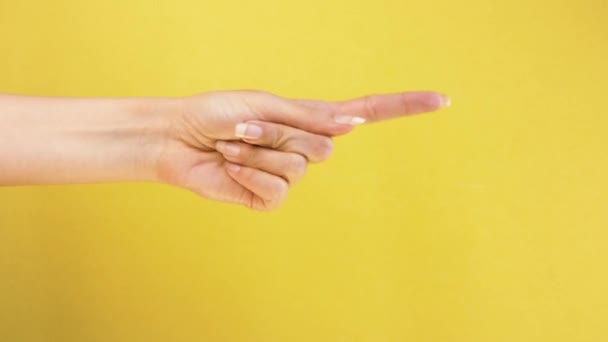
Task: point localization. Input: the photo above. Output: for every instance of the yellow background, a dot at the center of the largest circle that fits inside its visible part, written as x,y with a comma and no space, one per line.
484,222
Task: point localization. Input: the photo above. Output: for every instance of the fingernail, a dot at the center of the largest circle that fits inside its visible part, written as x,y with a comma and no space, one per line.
229,149
445,101
232,149
248,131
349,120
233,167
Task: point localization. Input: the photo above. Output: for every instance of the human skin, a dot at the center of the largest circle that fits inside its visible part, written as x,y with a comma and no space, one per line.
245,147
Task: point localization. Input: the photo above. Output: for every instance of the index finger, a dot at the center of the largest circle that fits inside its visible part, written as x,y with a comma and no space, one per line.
334,118
380,107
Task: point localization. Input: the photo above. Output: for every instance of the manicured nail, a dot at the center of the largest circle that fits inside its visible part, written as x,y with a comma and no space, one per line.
233,167
248,131
349,120
445,101
227,148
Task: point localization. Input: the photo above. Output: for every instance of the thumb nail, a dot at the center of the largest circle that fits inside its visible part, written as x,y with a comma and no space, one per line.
349,120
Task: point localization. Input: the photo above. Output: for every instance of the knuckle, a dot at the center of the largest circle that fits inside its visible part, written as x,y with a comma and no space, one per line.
266,205
323,149
369,104
297,164
281,189
264,96
279,195
247,198
406,105
259,204
276,138
246,156
247,173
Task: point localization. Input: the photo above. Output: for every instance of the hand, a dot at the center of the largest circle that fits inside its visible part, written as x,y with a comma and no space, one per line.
249,147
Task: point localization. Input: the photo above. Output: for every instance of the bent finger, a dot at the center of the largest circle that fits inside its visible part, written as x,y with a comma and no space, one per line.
269,190
281,137
289,166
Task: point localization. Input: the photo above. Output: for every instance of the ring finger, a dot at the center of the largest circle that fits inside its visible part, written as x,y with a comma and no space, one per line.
290,166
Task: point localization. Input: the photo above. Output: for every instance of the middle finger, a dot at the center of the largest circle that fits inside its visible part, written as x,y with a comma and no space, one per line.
285,138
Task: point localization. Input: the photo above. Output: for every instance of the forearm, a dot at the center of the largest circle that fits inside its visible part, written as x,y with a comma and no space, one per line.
45,140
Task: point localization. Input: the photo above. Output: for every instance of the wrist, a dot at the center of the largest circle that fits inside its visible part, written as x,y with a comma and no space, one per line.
147,134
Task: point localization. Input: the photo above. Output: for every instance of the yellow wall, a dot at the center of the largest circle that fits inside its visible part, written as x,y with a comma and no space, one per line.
484,222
